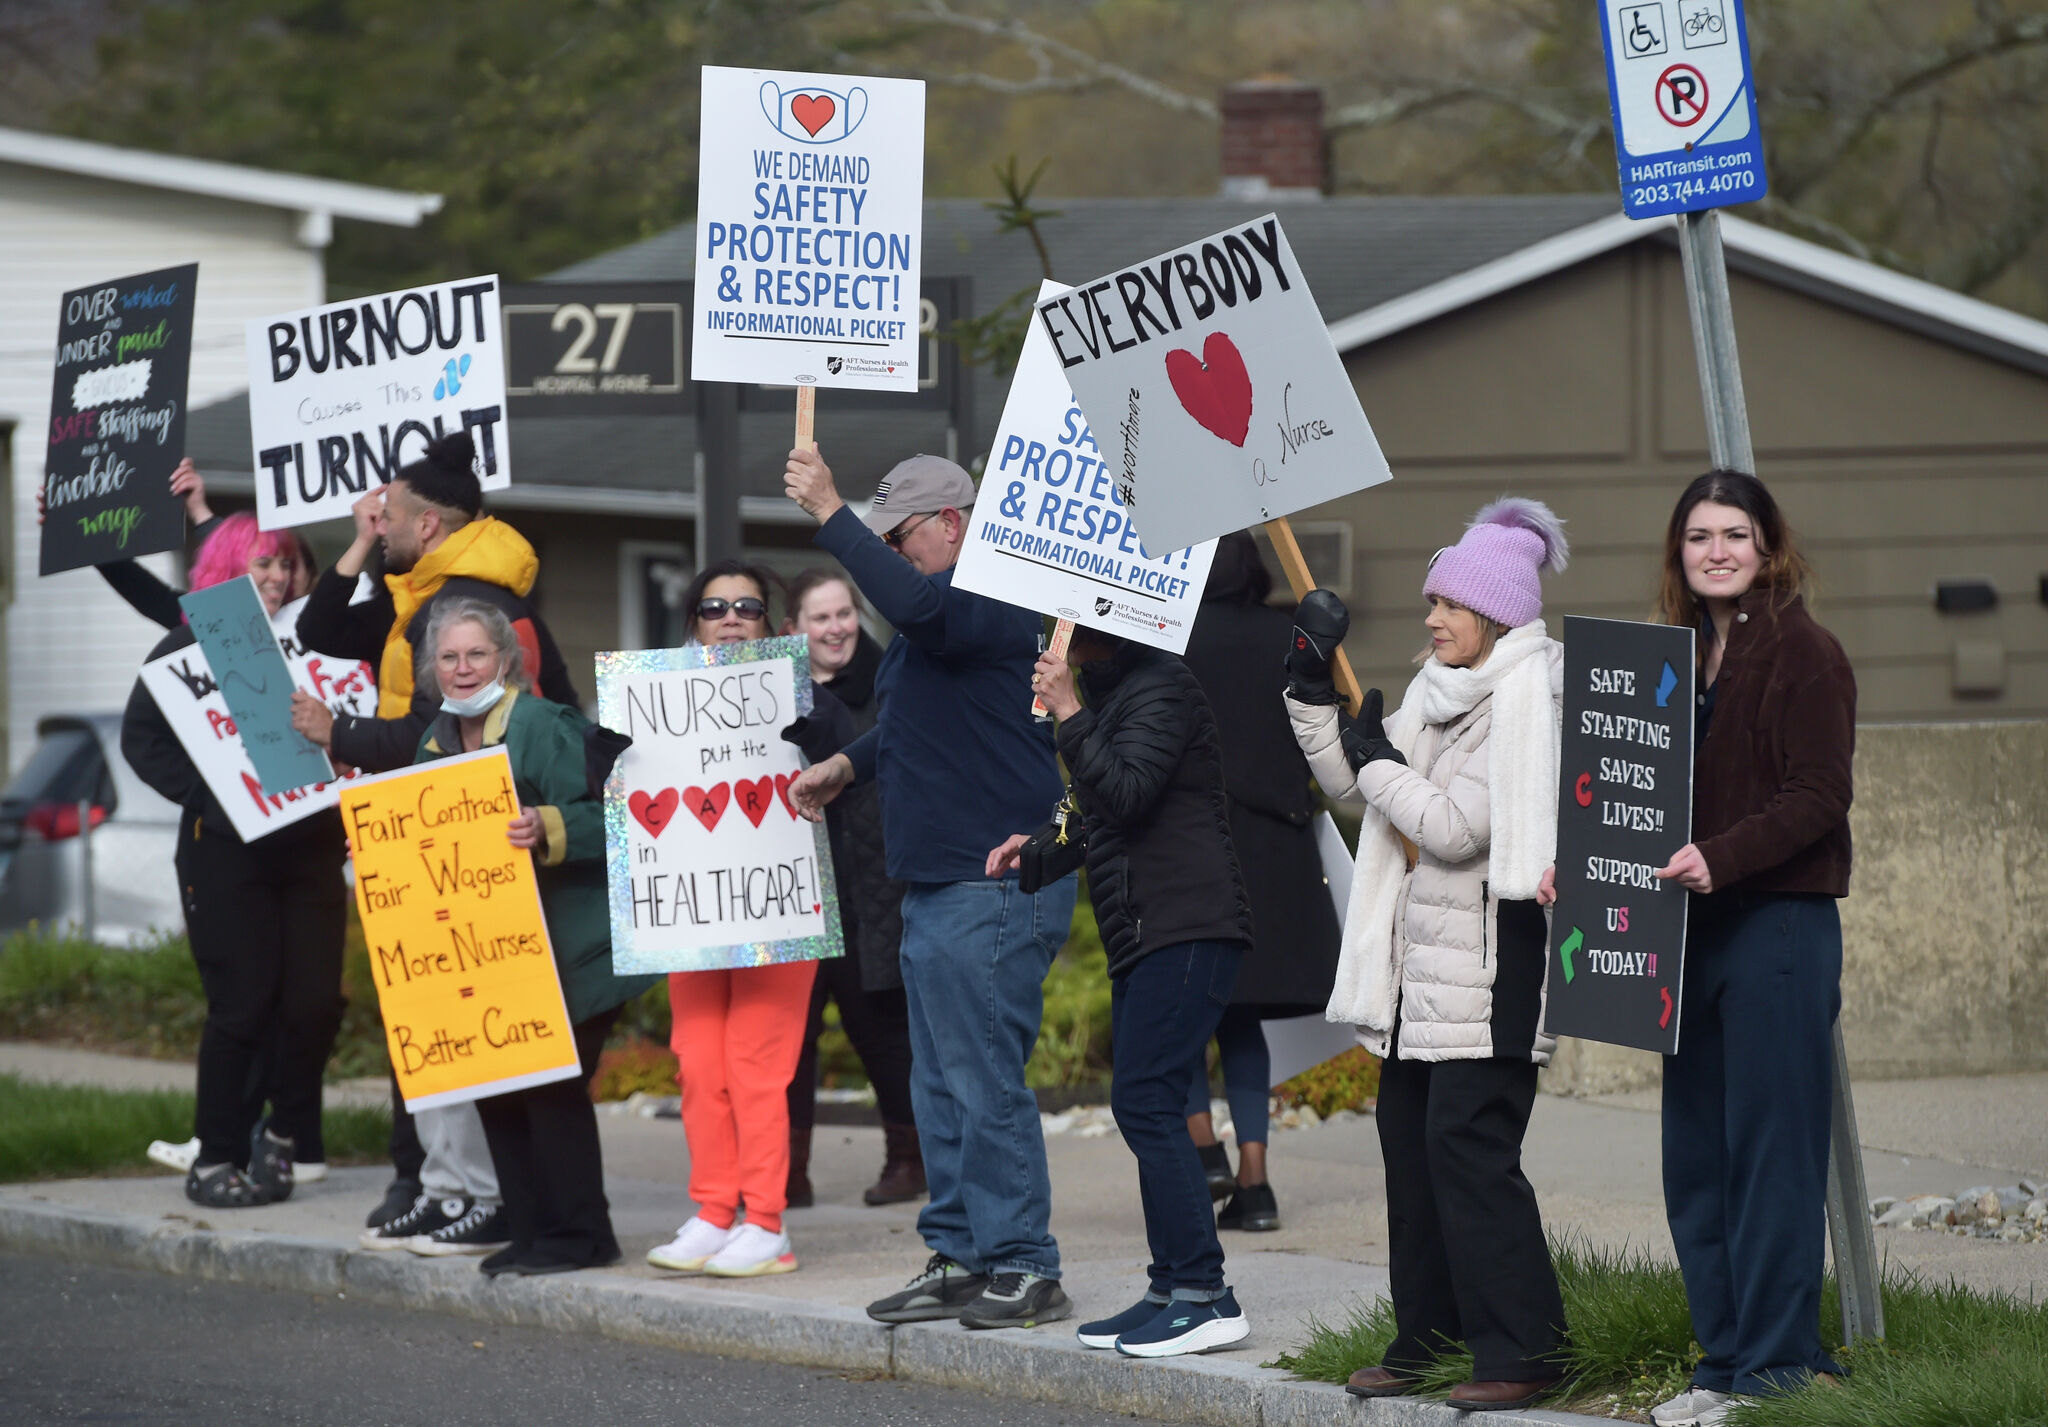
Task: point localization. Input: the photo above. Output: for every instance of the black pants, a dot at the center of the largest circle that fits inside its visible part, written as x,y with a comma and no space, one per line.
1161,1015
1469,1263
550,1166
878,1024
1747,1105
266,921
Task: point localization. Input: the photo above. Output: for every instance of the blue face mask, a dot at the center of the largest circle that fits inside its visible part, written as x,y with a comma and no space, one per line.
477,704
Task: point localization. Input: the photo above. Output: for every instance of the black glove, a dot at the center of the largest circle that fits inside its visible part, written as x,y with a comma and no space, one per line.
1320,621
601,749
1365,737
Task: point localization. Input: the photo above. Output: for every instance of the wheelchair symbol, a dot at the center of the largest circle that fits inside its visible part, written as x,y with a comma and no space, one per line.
1641,29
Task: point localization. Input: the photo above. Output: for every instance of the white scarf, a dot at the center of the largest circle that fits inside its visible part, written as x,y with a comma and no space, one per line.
1524,678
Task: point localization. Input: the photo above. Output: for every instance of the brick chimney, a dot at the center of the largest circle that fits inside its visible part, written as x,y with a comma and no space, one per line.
1273,140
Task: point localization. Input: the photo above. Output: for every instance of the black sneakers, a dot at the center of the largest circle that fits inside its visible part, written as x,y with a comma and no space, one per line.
940,1291
1252,1209
270,1161
1017,1300
399,1197
426,1215
476,1232
1216,1169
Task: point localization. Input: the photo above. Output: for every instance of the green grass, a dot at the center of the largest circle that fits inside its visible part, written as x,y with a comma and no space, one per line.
65,1131
1951,1355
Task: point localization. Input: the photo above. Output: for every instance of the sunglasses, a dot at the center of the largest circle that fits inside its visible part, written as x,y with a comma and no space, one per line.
895,538
748,608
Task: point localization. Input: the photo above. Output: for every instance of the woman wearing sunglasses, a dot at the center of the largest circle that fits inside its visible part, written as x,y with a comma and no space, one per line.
737,1035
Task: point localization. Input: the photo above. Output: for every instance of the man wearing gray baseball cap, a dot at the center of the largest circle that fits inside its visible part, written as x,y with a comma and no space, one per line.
961,764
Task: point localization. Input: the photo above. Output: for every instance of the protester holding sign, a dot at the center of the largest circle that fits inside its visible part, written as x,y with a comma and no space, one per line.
961,764
543,1139
1444,960
265,921
1148,777
1746,1099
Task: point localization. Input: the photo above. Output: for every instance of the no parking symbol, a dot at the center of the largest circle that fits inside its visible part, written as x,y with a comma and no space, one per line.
1682,95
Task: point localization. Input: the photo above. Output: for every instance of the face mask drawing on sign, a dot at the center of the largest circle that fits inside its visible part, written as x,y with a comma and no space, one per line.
813,116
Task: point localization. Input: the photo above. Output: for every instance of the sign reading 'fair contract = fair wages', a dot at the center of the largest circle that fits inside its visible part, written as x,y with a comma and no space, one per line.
810,214
341,396
1213,388
459,950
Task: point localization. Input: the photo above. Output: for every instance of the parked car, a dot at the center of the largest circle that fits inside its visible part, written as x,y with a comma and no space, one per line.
84,843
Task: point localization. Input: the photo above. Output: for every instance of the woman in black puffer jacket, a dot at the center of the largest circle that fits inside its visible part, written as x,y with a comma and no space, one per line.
1148,777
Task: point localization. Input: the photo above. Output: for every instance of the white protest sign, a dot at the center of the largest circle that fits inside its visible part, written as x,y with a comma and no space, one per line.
708,863
1049,530
810,216
341,396
1212,384
183,687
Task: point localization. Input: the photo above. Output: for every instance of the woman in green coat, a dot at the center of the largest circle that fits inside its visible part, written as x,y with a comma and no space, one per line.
543,1139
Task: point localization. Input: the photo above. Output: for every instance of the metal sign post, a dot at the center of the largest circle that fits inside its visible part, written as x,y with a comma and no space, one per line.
1686,139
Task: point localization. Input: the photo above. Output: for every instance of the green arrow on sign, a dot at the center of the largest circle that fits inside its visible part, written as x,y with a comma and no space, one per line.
1565,949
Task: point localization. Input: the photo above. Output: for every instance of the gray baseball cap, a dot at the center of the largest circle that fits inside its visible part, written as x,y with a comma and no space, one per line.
919,486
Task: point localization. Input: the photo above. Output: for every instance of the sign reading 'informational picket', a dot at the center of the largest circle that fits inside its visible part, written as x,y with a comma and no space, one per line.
1617,934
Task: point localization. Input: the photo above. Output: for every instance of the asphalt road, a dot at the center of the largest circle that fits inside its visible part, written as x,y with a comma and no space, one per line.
83,1344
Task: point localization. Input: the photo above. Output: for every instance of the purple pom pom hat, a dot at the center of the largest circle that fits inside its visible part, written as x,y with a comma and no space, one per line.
1495,567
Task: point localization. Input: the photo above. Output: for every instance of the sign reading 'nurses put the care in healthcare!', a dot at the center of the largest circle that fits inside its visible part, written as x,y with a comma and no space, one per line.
810,216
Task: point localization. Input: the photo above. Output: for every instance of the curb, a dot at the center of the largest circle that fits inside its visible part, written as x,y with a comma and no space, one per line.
687,1315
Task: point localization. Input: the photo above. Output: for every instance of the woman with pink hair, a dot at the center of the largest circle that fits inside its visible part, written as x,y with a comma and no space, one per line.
265,918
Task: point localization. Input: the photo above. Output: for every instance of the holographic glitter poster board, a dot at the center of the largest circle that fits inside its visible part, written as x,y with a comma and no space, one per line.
710,868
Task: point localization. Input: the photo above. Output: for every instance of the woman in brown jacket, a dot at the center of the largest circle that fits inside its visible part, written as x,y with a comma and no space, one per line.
1746,1099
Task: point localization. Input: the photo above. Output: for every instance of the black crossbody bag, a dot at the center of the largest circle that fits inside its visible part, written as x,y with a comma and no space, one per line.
1054,850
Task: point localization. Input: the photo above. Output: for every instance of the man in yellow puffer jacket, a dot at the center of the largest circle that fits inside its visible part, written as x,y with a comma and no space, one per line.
436,541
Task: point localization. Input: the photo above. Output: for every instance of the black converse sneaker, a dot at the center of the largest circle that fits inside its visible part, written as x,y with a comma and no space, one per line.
1017,1300
940,1291
426,1215
477,1232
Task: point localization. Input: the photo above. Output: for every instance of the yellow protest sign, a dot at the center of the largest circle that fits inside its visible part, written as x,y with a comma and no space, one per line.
459,950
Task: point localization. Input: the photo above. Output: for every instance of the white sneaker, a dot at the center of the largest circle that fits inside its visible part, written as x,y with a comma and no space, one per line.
751,1252
1695,1407
180,1156
693,1244
311,1171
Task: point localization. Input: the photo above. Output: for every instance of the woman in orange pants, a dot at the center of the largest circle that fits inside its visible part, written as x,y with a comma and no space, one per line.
737,1035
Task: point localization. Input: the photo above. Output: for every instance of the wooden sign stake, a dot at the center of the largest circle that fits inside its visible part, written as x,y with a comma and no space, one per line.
1298,576
1062,636
806,418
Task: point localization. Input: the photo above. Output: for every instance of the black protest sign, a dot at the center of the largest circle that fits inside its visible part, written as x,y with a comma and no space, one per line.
117,420
1617,934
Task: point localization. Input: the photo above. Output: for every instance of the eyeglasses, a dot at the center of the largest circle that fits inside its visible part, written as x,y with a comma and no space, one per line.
748,608
895,538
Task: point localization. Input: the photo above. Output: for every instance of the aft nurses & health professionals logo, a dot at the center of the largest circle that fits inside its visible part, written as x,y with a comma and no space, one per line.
813,116
834,365
1104,605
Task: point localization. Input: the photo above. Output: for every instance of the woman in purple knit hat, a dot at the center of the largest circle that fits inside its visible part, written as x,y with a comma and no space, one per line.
1442,968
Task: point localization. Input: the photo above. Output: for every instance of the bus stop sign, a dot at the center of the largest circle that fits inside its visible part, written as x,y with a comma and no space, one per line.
1685,125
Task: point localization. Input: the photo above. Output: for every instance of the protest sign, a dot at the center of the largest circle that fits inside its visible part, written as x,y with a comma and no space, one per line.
341,396
1049,530
1617,933
810,214
183,686
1296,1043
1209,377
459,949
247,662
710,867
117,420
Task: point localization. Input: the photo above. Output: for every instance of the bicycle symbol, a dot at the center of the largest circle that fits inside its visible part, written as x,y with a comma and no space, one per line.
1702,23
1705,20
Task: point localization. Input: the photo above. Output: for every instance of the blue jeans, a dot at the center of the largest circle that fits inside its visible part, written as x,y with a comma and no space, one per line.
1162,1013
1747,1101
975,955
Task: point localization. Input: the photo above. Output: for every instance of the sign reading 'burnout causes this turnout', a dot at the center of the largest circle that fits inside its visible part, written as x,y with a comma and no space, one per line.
459,950
183,686
117,420
1050,529
341,396
1617,934
710,868
242,651
810,212
1213,387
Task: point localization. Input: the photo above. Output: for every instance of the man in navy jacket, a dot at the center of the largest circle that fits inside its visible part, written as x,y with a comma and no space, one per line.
961,764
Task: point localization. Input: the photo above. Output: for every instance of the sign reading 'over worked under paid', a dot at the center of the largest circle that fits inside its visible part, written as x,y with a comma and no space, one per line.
459,951
1617,934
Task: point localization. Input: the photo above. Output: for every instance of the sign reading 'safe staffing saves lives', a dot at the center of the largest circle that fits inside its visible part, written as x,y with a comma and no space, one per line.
341,396
459,950
1617,933
810,213
117,420
1213,388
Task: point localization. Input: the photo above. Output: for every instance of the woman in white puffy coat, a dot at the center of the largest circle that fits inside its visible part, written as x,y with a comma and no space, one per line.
1444,948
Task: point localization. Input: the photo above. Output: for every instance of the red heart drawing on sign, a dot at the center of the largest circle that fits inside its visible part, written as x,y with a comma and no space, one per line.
708,803
756,797
782,782
1217,390
814,112
653,812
